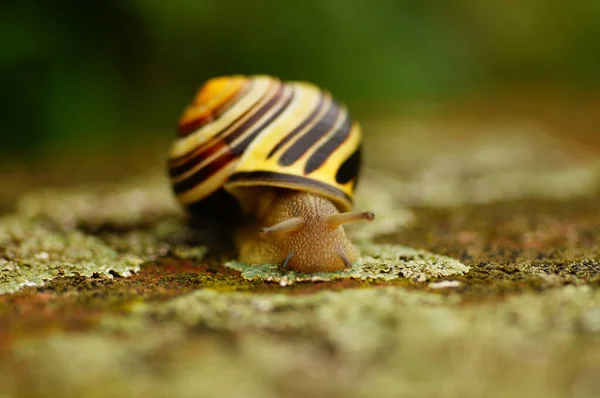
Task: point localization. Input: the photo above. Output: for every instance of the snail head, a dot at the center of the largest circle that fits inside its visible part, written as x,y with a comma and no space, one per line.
309,234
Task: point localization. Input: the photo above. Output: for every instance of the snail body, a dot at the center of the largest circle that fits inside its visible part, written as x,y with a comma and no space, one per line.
285,155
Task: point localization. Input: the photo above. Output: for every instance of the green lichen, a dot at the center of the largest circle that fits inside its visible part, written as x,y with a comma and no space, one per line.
134,202
522,320
373,194
170,236
564,310
377,262
357,343
140,218
102,365
318,312
31,253
498,164
105,229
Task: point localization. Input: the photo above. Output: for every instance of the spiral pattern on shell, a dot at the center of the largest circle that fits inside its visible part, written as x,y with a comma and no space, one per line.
259,131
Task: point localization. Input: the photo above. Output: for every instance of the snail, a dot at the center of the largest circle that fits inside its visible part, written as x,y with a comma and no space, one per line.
284,155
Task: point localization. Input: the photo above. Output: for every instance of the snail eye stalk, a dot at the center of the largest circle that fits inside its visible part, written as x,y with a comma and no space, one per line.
336,220
284,227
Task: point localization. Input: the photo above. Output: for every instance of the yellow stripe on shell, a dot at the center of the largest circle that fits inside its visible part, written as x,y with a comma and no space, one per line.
211,96
306,97
287,91
207,186
327,172
237,189
260,86
255,157
268,96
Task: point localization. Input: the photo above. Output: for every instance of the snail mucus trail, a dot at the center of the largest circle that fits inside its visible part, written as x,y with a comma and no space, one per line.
286,155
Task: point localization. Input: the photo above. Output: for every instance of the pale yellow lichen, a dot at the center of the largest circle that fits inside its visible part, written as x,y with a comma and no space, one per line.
32,253
100,365
102,229
508,162
377,262
355,342
132,202
374,194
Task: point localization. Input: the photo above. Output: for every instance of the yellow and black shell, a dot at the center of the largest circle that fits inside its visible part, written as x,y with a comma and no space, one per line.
260,131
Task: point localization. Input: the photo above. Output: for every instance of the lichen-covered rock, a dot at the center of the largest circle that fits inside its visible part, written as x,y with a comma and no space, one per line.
377,262
106,229
510,162
356,343
391,215
140,219
32,253
506,221
136,201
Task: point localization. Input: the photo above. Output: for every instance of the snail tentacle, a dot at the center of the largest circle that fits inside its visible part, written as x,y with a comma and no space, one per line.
284,264
336,220
285,226
345,259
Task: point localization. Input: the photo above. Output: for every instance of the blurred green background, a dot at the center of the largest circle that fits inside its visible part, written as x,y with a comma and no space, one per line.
79,75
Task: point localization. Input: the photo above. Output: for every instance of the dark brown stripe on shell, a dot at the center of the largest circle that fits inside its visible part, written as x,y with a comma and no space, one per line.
233,153
324,151
204,173
299,128
241,147
268,176
208,148
192,154
349,170
241,129
205,153
310,138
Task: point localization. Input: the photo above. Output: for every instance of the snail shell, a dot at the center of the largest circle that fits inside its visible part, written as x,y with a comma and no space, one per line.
285,155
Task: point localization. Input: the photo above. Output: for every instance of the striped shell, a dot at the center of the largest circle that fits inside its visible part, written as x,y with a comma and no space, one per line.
260,131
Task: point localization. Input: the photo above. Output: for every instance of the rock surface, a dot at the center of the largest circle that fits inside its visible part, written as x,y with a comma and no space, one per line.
479,277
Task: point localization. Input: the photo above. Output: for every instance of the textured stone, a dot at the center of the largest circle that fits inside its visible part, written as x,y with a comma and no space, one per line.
31,254
377,262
